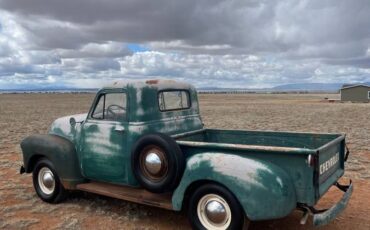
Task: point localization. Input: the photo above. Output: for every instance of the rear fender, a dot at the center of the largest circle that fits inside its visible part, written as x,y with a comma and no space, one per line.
60,151
264,190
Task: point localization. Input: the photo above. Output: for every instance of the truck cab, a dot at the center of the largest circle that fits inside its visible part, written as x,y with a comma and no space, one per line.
120,114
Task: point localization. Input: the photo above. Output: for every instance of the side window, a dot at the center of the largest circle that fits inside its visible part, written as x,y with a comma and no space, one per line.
115,106
173,100
99,108
111,106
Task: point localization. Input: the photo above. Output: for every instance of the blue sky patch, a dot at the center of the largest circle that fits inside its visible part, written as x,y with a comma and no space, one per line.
136,48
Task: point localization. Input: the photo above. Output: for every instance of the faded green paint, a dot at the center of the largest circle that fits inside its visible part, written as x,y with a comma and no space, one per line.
288,150
105,154
267,171
255,183
299,142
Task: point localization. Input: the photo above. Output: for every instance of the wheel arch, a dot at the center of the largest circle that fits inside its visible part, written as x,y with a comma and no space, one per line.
197,184
60,151
257,185
32,162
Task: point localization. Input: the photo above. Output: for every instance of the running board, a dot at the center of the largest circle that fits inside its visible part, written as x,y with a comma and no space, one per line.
137,195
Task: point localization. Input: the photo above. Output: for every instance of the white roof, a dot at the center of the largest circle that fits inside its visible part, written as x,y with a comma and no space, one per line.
158,83
353,86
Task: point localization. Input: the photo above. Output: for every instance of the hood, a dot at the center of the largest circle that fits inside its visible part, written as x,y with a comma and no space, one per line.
78,117
63,128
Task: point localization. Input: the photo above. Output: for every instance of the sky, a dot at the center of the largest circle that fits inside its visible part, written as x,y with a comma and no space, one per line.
209,43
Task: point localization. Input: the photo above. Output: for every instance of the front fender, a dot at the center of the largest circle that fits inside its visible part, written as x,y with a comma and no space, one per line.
264,190
60,151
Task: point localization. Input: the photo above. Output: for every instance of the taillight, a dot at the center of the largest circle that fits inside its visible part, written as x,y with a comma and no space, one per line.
311,160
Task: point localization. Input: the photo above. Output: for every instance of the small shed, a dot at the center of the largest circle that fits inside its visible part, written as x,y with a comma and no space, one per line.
355,93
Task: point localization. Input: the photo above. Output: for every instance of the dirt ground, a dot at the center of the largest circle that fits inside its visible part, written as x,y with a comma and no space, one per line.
22,115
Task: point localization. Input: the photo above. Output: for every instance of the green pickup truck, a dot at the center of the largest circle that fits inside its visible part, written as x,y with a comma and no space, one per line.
144,141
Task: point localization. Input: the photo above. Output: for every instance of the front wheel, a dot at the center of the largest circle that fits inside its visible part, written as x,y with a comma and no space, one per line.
213,207
47,183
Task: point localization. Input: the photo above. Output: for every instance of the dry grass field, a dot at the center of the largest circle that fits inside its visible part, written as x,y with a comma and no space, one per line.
22,115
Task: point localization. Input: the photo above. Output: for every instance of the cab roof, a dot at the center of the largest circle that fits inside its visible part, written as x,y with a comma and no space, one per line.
143,95
154,83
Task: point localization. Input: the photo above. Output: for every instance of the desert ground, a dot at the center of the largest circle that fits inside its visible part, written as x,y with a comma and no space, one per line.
25,114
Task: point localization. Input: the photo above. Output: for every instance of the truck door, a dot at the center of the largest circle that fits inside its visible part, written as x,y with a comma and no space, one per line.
103,138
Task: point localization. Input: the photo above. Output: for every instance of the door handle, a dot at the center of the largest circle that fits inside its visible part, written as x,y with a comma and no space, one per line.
119,129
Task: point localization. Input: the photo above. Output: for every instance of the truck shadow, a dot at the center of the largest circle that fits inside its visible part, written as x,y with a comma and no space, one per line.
291,222
145,216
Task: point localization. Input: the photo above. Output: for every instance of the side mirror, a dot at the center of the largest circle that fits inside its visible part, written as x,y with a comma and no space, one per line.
72,121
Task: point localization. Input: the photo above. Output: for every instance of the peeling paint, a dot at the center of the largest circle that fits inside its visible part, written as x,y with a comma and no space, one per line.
105,154
256,184
159,84
62,126
260,168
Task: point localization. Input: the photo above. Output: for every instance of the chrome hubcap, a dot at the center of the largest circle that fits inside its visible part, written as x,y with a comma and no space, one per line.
153,163
46,180
214,212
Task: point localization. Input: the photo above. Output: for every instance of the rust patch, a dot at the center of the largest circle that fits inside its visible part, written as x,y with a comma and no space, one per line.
69,185
151,82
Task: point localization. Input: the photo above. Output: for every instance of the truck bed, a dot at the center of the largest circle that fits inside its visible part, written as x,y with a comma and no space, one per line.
292,140
291,151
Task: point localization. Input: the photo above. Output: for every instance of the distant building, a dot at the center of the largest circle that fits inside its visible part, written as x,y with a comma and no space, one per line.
355,93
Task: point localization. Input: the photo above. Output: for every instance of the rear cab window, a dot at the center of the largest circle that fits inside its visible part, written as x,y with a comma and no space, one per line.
169,100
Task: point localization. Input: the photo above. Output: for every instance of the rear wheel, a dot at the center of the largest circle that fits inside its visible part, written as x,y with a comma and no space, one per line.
213,207
47,183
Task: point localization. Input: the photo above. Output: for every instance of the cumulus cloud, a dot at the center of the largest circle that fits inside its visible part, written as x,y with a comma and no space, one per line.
255,43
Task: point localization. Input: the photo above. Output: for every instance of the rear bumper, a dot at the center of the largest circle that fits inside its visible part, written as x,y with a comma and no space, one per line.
323,217
330,214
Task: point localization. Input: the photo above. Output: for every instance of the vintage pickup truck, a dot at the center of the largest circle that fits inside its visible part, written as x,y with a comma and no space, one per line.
145,142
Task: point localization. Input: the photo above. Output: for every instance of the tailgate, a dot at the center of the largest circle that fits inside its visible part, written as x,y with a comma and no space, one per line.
330,165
